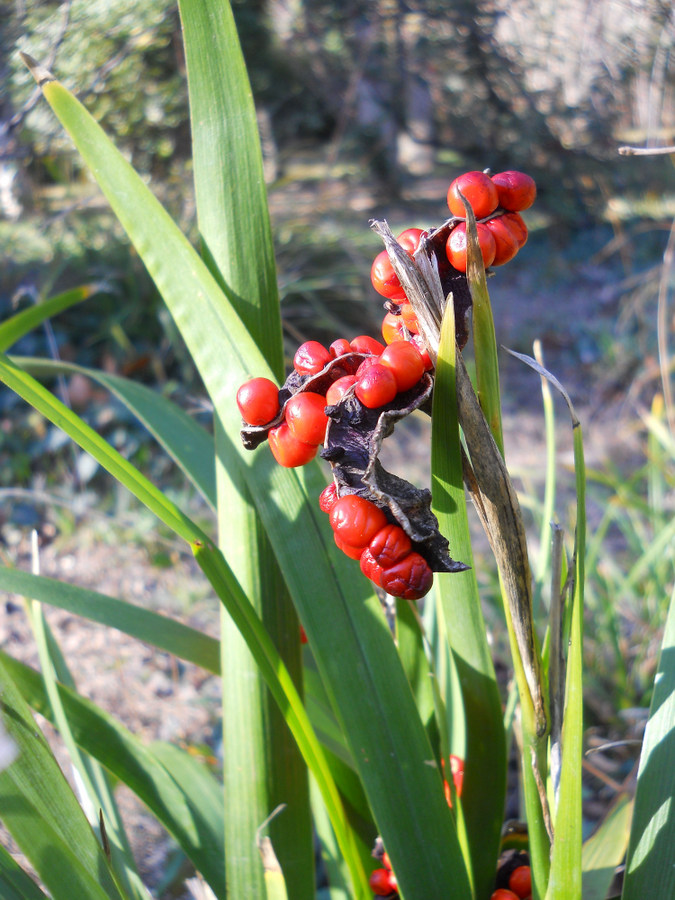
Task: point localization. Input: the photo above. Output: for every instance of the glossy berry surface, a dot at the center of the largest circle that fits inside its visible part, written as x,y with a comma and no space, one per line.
409,317
328,497
310,358
392,328
384,279
506,240
410,239
480,192
366,344
287,449
356,520
339,348
405,361
520,882
516,190
306,418
389,545
370,568
518,227
338,389
410,578
376,387
504,894
347,549
383,882
456,246
258,401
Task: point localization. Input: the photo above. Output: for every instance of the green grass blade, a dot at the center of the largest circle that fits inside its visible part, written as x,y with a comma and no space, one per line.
189,444
40,810
21,323
233,220
365,680
484,785
232,210
604,851
650,869
15,884
99,735
96,788
153,628
484,340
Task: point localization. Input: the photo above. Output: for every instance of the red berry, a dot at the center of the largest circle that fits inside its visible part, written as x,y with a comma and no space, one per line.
366,364
409,318
386,861
410,239
303,636
339,347
520,881
503,894
338,389
370,568
288,450
456,247
366,344
347,549
418,341
389,545
479,191
356,520
384,279
258,401
376,387
328,497
516,190
410,578
506,241
405,361
382,882
306,417
517,226
310,358
392,328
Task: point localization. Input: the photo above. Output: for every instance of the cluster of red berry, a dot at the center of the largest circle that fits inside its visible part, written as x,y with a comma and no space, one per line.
520,886
347,380
363,532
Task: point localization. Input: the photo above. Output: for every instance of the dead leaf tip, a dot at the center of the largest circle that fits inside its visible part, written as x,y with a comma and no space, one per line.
39,72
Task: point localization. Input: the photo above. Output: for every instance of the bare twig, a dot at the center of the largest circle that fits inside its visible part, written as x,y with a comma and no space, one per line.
646,151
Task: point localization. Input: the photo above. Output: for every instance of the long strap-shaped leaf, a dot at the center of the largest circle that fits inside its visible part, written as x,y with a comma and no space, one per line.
41,811
484,783
236,238
349,637
14,328
215,567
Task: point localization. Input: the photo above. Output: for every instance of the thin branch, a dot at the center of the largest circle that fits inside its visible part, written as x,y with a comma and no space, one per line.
646,151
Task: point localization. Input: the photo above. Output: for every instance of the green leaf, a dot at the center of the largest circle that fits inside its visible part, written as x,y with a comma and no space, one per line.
14,328
650,869
15,884
236,239
153,628
99,735
605,849
484,785
41,812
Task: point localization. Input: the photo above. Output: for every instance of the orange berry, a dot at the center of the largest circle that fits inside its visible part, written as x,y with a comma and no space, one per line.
287,449
506,241
456,246
306,417
405,361
520,881
258,401
479,191
516,190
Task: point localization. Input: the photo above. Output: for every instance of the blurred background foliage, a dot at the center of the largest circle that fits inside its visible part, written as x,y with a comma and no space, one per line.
365,109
